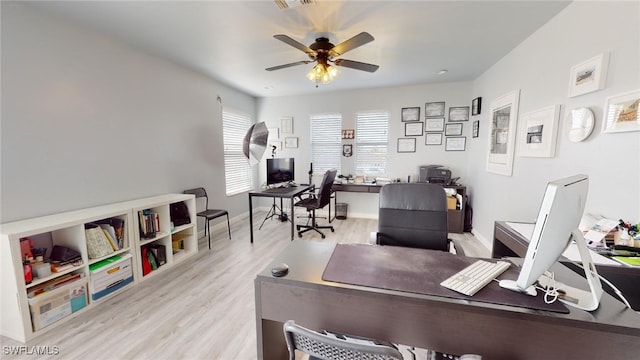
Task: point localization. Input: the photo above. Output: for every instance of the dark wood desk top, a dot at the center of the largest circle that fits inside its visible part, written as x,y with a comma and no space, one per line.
307,261
284,192
372,188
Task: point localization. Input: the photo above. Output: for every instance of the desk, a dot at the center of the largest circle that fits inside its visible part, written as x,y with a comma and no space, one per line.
443,324
282,193
366,188
507,243
455,217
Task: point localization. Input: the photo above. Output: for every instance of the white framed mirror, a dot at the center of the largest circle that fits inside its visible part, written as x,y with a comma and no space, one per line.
581,122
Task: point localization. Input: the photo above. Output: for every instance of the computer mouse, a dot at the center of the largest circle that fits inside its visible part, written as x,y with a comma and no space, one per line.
280,270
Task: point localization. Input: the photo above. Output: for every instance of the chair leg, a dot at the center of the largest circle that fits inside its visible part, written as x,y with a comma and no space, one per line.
209,235
228,227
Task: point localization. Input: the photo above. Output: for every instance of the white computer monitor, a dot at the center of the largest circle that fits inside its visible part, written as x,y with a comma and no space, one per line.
556,226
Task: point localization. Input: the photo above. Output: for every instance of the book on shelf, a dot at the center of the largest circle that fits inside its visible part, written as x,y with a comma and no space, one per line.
53,284
116,228
98,244
149,223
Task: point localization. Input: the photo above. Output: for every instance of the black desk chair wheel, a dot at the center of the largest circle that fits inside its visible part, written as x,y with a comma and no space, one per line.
314,202
208,214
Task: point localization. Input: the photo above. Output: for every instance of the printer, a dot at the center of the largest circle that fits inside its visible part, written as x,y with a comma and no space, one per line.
436,174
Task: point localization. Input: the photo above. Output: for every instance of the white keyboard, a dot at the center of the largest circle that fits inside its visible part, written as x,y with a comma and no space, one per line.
474,277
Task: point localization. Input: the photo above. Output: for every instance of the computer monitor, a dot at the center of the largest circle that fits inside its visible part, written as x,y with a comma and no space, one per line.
280,170
556,226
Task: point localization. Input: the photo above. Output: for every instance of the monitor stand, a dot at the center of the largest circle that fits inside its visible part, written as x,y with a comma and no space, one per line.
581,299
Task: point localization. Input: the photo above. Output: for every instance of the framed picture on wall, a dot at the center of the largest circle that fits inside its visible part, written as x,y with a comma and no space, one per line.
291,142
502,133
434,109
406,145
411,114
588,76
476,106
286,125
455,143
476,129
453,130
459,113
538,132
433,139
415,128
622,113
434,124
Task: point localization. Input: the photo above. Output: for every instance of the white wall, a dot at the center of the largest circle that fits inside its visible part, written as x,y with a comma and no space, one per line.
539,67
87,120
348,103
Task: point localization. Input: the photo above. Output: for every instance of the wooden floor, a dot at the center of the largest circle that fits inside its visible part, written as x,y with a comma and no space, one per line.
203,309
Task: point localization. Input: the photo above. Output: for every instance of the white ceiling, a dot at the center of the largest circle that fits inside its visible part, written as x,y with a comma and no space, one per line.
232,41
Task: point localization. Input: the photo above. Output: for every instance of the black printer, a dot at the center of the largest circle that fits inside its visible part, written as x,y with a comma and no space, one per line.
435,174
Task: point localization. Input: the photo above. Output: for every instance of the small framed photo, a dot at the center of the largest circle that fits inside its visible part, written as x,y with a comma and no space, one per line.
348,133
291,142
411,114
415,128
476,129
476,106
588,76
453,130
433,139
459,113
406,145
286,125
434,124
434,109
274,133
455,143
622,113
347,150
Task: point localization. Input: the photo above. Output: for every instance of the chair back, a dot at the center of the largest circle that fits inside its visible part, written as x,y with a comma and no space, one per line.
327,347
413,215
324,196
199,193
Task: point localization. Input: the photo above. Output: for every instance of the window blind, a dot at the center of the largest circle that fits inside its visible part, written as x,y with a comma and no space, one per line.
326,142
372,142
238,172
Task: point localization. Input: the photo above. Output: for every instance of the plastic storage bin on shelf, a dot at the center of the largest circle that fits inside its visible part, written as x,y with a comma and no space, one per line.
110,275
54,305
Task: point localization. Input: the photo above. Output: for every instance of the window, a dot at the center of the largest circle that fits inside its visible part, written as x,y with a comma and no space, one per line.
326,142
238,173
372,141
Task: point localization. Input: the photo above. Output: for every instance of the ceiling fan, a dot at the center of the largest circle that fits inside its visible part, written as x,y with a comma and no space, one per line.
324,52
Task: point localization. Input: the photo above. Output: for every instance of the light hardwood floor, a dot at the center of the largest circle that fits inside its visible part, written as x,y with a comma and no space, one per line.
203,309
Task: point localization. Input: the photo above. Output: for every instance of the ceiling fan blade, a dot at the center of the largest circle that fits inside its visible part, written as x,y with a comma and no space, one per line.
356,65
287,40
354,42
288,65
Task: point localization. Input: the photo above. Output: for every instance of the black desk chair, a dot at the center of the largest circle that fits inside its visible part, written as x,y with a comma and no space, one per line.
313,202
208,214
414,215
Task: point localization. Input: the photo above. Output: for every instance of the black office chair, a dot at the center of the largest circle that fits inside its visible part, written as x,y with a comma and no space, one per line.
328,346
313,202
208,214
414,215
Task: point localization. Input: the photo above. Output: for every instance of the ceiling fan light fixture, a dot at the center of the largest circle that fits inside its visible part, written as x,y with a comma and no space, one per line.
322,73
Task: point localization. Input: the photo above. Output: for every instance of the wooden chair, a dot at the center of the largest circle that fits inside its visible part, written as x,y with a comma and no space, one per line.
206,213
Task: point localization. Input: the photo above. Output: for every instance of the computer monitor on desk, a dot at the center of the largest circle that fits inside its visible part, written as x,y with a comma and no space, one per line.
557,224
280,170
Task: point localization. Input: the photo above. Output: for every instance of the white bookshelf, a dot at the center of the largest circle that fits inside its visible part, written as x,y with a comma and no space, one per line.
68,229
